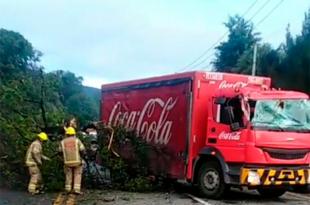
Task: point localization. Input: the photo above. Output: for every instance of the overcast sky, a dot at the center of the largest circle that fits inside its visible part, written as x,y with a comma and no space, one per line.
114,40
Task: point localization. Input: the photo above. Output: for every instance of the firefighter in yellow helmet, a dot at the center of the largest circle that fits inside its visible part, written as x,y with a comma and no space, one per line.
34,158
72,148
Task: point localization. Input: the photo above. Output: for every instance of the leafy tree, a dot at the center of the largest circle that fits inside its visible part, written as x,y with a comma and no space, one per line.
296,65
306,25
32,101
290,61
21,100
68,84
72,96
16,55
82,107
289,40
268,60
240,39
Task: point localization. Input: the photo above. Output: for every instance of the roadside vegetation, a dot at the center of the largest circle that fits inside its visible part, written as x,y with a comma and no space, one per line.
288,65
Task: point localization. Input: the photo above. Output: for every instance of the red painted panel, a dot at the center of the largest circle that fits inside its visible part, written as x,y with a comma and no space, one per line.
158,112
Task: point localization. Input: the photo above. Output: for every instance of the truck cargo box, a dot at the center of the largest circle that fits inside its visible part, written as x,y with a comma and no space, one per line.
159,112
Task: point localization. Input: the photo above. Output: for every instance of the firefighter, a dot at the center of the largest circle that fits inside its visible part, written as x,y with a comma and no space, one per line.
72,148
34,158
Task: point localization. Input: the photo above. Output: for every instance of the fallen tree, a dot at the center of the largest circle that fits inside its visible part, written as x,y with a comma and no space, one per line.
122,154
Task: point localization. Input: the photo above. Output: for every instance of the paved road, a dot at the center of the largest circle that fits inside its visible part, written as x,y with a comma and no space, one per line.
172,198
253,198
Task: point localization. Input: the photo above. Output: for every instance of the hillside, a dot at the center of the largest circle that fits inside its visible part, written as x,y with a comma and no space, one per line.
94,95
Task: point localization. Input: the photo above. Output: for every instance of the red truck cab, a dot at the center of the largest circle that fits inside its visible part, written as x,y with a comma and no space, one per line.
217,130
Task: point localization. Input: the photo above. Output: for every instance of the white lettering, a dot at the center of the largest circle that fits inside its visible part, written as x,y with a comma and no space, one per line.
225,85
214,76
230,136
157,131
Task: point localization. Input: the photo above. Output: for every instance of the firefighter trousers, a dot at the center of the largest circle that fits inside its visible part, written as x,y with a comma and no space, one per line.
35,179
73,178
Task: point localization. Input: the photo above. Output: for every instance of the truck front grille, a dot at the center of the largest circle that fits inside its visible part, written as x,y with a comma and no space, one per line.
286,154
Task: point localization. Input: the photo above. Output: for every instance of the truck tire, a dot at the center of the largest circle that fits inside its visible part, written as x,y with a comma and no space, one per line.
211,181
271,193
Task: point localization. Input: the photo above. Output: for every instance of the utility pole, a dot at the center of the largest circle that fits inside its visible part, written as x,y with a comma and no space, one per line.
254,60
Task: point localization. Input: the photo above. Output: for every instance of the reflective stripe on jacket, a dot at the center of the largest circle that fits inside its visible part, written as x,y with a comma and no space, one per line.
71,147
34,154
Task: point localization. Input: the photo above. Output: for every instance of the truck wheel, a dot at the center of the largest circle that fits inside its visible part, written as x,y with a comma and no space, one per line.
271,193
210,180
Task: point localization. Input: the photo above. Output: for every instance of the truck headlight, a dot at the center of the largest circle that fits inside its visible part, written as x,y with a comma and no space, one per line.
308,180
253,178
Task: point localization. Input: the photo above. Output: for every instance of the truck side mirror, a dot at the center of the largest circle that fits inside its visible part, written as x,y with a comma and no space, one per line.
235,126
220,100
230,113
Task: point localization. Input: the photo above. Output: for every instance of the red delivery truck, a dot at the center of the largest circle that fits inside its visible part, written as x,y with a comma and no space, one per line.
217,130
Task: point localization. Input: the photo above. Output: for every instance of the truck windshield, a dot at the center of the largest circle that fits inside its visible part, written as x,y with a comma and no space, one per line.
281,115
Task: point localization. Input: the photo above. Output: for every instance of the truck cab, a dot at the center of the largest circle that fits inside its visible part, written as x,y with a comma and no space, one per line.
256,137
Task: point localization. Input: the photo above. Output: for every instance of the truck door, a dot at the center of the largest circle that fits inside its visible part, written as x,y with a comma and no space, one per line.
226,128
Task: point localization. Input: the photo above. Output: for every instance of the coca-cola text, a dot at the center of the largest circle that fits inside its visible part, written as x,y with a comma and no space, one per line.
157,131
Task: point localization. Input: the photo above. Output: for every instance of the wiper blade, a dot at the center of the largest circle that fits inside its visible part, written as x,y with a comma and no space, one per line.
302,131
278,129
268,126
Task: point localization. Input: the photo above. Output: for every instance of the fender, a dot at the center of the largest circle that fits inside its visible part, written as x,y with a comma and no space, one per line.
213,152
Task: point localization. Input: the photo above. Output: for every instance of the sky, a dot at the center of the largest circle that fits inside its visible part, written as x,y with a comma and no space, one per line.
107,41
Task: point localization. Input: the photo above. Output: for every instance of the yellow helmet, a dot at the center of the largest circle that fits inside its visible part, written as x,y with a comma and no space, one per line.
43,136
70,131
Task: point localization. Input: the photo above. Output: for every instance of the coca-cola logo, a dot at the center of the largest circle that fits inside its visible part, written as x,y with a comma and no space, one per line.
229,136
224,85
157,131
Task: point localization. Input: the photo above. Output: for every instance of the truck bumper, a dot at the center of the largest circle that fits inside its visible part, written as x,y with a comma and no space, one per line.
275,176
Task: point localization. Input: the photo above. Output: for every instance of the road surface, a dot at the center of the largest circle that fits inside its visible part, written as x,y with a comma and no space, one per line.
110,197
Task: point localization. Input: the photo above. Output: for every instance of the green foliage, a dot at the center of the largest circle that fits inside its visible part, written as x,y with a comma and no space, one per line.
129,171
52,171
93,94
81,106
290,61
21,93
241,37
139,184
16,55
267,60
305,33
296,65
32,101
72,96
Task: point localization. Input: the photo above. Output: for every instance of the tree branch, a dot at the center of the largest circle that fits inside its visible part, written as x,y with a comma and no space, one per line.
43,111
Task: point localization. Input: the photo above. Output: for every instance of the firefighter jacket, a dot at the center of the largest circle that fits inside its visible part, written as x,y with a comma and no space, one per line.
71,148
34,154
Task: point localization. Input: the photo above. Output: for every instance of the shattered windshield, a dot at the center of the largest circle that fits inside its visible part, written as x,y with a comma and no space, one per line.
283,115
